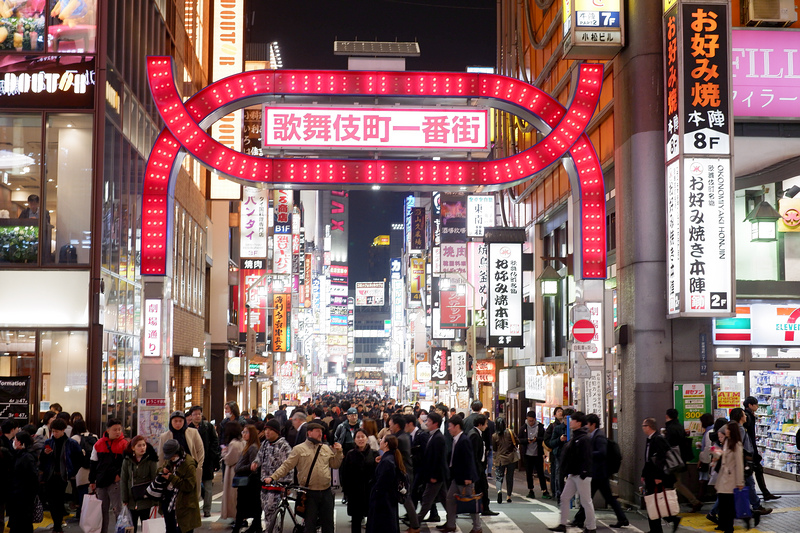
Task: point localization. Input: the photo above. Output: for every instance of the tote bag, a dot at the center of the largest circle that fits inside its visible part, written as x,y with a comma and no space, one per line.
91,514
662,503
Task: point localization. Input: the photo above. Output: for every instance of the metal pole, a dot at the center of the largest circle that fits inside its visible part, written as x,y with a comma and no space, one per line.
249,352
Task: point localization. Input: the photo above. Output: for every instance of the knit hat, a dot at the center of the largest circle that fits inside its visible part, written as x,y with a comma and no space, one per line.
177,414
171,447
274,425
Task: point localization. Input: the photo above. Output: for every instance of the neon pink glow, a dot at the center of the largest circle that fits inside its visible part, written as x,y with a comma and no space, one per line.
184,131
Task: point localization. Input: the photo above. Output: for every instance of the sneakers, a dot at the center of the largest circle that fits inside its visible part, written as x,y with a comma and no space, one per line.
545,495
532,494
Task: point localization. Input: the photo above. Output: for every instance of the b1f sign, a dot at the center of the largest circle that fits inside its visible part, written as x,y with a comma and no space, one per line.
376,127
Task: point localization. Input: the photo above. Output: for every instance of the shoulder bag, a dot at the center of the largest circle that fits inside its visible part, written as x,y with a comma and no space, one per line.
516,456
300,503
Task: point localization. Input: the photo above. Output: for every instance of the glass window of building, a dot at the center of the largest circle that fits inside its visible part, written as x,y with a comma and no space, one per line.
68,175
17,353
67,25
63,368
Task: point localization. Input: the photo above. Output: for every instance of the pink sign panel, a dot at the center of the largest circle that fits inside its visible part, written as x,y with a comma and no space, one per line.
766,73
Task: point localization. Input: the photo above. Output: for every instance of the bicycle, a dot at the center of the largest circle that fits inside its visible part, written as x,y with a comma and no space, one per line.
288,494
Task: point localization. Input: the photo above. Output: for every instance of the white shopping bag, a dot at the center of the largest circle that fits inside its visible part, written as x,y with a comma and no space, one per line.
155,524
662,504
91,514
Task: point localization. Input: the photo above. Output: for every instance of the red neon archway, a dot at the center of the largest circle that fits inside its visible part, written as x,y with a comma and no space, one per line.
186,123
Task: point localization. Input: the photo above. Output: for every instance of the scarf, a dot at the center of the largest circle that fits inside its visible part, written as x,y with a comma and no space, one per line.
174,490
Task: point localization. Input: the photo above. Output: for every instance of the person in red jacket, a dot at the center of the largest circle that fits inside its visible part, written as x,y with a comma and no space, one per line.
106,468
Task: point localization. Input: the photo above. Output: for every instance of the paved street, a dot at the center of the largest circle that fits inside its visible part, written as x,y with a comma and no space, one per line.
529,515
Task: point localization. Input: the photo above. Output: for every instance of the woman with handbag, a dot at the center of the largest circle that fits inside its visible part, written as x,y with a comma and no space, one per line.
139,469
730,477
248,488
506,457
356,475
382,516
231,453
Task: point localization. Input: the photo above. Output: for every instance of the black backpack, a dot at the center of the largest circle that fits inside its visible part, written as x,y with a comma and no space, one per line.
87,445
613,458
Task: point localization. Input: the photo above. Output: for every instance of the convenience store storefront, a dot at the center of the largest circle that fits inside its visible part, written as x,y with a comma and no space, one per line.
757,353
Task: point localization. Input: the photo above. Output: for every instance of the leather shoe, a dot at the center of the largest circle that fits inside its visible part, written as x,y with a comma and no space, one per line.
575,524
762,510
489,513
559,527
712,518
446,529
433,518
620,524
768,497
697,506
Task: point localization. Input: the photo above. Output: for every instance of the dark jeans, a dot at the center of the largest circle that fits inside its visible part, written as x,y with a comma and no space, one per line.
726,512
355,523
601,484
319,511
138,515
535,462
482,486
54,489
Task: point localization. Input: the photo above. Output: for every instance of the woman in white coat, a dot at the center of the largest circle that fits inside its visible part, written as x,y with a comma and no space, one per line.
730,476
230,456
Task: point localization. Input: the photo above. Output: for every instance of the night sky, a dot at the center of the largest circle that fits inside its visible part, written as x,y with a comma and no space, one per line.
452,34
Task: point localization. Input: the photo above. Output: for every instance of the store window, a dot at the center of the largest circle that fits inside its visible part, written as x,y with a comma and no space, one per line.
778,395
68,25
121,376
20,183
63,368
17,353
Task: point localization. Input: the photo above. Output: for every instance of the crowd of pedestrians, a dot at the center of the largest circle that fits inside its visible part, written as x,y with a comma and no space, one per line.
386,457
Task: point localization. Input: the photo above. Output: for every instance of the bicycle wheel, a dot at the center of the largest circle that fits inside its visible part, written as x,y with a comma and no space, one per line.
277,527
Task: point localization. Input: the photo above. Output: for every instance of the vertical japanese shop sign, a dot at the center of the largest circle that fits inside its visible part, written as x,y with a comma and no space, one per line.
282,209
416,278
453,302
227,59
505,295
152,328
254,212
480,214
256,296
454,218
281,340
699,189
440,364
417,229
478,277
459,364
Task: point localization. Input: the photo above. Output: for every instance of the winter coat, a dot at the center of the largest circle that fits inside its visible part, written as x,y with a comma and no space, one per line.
230,456
577,456
193,440
382,516
553,440
71,455
106,461
82,477
271,456
136,473
731,473
504,448
7,459
248,499
302,456
184,480
24,488
356,474
208,436
522,436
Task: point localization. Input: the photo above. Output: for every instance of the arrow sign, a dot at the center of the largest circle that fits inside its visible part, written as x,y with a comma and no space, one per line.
583,331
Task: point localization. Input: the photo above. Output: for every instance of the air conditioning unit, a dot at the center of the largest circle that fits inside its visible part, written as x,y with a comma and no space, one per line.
773,13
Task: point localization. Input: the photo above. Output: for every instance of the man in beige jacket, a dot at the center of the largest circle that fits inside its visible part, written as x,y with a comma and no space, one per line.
319,498
189,439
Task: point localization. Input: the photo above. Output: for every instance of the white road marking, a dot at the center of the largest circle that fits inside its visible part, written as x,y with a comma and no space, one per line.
626,528
501,523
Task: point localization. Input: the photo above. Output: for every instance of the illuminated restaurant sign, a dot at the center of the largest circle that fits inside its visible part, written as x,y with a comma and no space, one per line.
376,127
68,82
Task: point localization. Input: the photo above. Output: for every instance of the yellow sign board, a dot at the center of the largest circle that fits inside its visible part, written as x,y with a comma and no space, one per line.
668,4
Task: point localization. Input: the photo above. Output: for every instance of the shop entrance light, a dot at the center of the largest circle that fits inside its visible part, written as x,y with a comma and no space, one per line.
549,280
763,222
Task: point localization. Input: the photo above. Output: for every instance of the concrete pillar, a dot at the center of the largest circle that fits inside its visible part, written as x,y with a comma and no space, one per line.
648,366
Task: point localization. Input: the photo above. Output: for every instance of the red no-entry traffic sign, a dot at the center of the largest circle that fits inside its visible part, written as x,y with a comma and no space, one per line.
583,331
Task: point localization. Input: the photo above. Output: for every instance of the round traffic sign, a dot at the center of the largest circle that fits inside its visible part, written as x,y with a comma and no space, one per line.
583,331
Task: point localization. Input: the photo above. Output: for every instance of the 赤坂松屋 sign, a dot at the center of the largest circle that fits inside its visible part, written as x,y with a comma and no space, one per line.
697,135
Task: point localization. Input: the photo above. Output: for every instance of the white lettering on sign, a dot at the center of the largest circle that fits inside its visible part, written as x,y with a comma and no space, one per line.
152,328
70,81
359,127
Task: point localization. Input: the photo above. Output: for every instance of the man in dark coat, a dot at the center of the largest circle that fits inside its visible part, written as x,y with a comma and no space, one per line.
9,429
676,435
480,452
599,474
463,474
576,464
469,422
398,429
750,407
555,436
531,447
653,473
59,462
211,457
433,471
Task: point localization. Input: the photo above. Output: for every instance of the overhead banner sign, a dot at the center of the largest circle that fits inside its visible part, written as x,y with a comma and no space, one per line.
369,293
376,127
699,188
505,295
253,223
